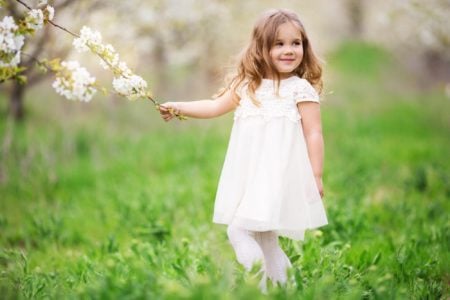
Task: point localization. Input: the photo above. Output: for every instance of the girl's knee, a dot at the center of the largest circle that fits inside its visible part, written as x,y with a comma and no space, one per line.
230,230
249,256
236,234
232,233
248,251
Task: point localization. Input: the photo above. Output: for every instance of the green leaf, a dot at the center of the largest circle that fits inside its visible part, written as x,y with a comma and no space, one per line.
376,258
7,73
54,64
21,79
295,258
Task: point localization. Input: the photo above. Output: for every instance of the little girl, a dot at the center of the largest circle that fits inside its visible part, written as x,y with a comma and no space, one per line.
271,181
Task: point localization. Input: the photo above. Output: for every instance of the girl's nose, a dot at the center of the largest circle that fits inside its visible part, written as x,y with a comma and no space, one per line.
289,51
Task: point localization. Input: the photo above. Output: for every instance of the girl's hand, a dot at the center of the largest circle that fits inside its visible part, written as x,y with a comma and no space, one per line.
168,110
319,185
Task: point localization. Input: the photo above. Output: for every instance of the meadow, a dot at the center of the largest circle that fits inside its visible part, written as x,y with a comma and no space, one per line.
105,201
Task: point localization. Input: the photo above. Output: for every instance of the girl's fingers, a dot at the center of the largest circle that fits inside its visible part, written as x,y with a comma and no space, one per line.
163,108
163,111
167,111
167,117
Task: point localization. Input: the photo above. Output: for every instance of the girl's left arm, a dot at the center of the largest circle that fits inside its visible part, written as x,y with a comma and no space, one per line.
312,130
200,109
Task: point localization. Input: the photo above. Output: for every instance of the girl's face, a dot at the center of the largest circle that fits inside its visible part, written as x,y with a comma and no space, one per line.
287,50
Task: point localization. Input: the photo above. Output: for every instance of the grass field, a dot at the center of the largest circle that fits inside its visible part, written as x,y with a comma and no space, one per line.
105,201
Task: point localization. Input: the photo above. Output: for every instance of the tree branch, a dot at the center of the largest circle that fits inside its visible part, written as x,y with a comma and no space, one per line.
51,22
64,4
36,76
38,47
12,10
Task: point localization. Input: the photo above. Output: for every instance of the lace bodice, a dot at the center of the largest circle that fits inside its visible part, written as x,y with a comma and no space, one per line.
292,90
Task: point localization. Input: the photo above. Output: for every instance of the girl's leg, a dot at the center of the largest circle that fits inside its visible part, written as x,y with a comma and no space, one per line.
275,260
248,251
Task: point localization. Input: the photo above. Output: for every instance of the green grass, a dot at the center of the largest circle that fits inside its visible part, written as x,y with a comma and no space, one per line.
104,201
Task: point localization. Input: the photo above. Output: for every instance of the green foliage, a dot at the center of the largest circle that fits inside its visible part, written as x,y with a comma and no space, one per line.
53,64
24,29
7,73
112,205
360,58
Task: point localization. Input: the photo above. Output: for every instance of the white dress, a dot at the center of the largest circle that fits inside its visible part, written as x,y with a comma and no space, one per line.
267,181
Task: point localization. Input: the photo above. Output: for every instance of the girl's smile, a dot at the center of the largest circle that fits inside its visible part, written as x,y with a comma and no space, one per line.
287,59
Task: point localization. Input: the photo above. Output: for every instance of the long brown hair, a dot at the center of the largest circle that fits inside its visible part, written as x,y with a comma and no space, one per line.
255,63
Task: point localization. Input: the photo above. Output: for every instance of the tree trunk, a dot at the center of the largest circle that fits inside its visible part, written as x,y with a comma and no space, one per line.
160,61
16,97
356,15
437,66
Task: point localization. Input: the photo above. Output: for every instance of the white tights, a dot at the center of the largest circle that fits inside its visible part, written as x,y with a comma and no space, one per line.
253,246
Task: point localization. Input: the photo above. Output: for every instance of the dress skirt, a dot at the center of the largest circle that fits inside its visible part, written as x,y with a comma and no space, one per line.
267,183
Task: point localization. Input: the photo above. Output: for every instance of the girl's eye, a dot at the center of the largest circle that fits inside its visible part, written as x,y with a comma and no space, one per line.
278,44
298,43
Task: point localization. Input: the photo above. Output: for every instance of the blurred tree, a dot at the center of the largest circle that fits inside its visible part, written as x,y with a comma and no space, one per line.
170,33
44,44
433,18
355,11
419,31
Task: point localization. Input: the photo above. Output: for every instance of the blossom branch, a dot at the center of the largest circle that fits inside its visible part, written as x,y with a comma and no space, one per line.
125,83
50,21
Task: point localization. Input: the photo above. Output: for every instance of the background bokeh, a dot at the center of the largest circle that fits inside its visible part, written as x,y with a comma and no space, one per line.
105,200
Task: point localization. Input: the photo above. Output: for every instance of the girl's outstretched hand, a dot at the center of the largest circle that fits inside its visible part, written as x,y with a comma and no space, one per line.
168,110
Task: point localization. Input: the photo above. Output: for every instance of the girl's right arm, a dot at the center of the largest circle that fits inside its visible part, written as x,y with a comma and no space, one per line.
200,109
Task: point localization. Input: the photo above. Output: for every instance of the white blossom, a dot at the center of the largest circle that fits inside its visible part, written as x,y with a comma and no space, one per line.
10,43
92,40
8,24
87,38
109,55
123,69
50,12
34,19
132,87
74,82
14,61
125,83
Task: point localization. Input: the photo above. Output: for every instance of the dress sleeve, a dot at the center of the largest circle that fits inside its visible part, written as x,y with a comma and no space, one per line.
305,92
